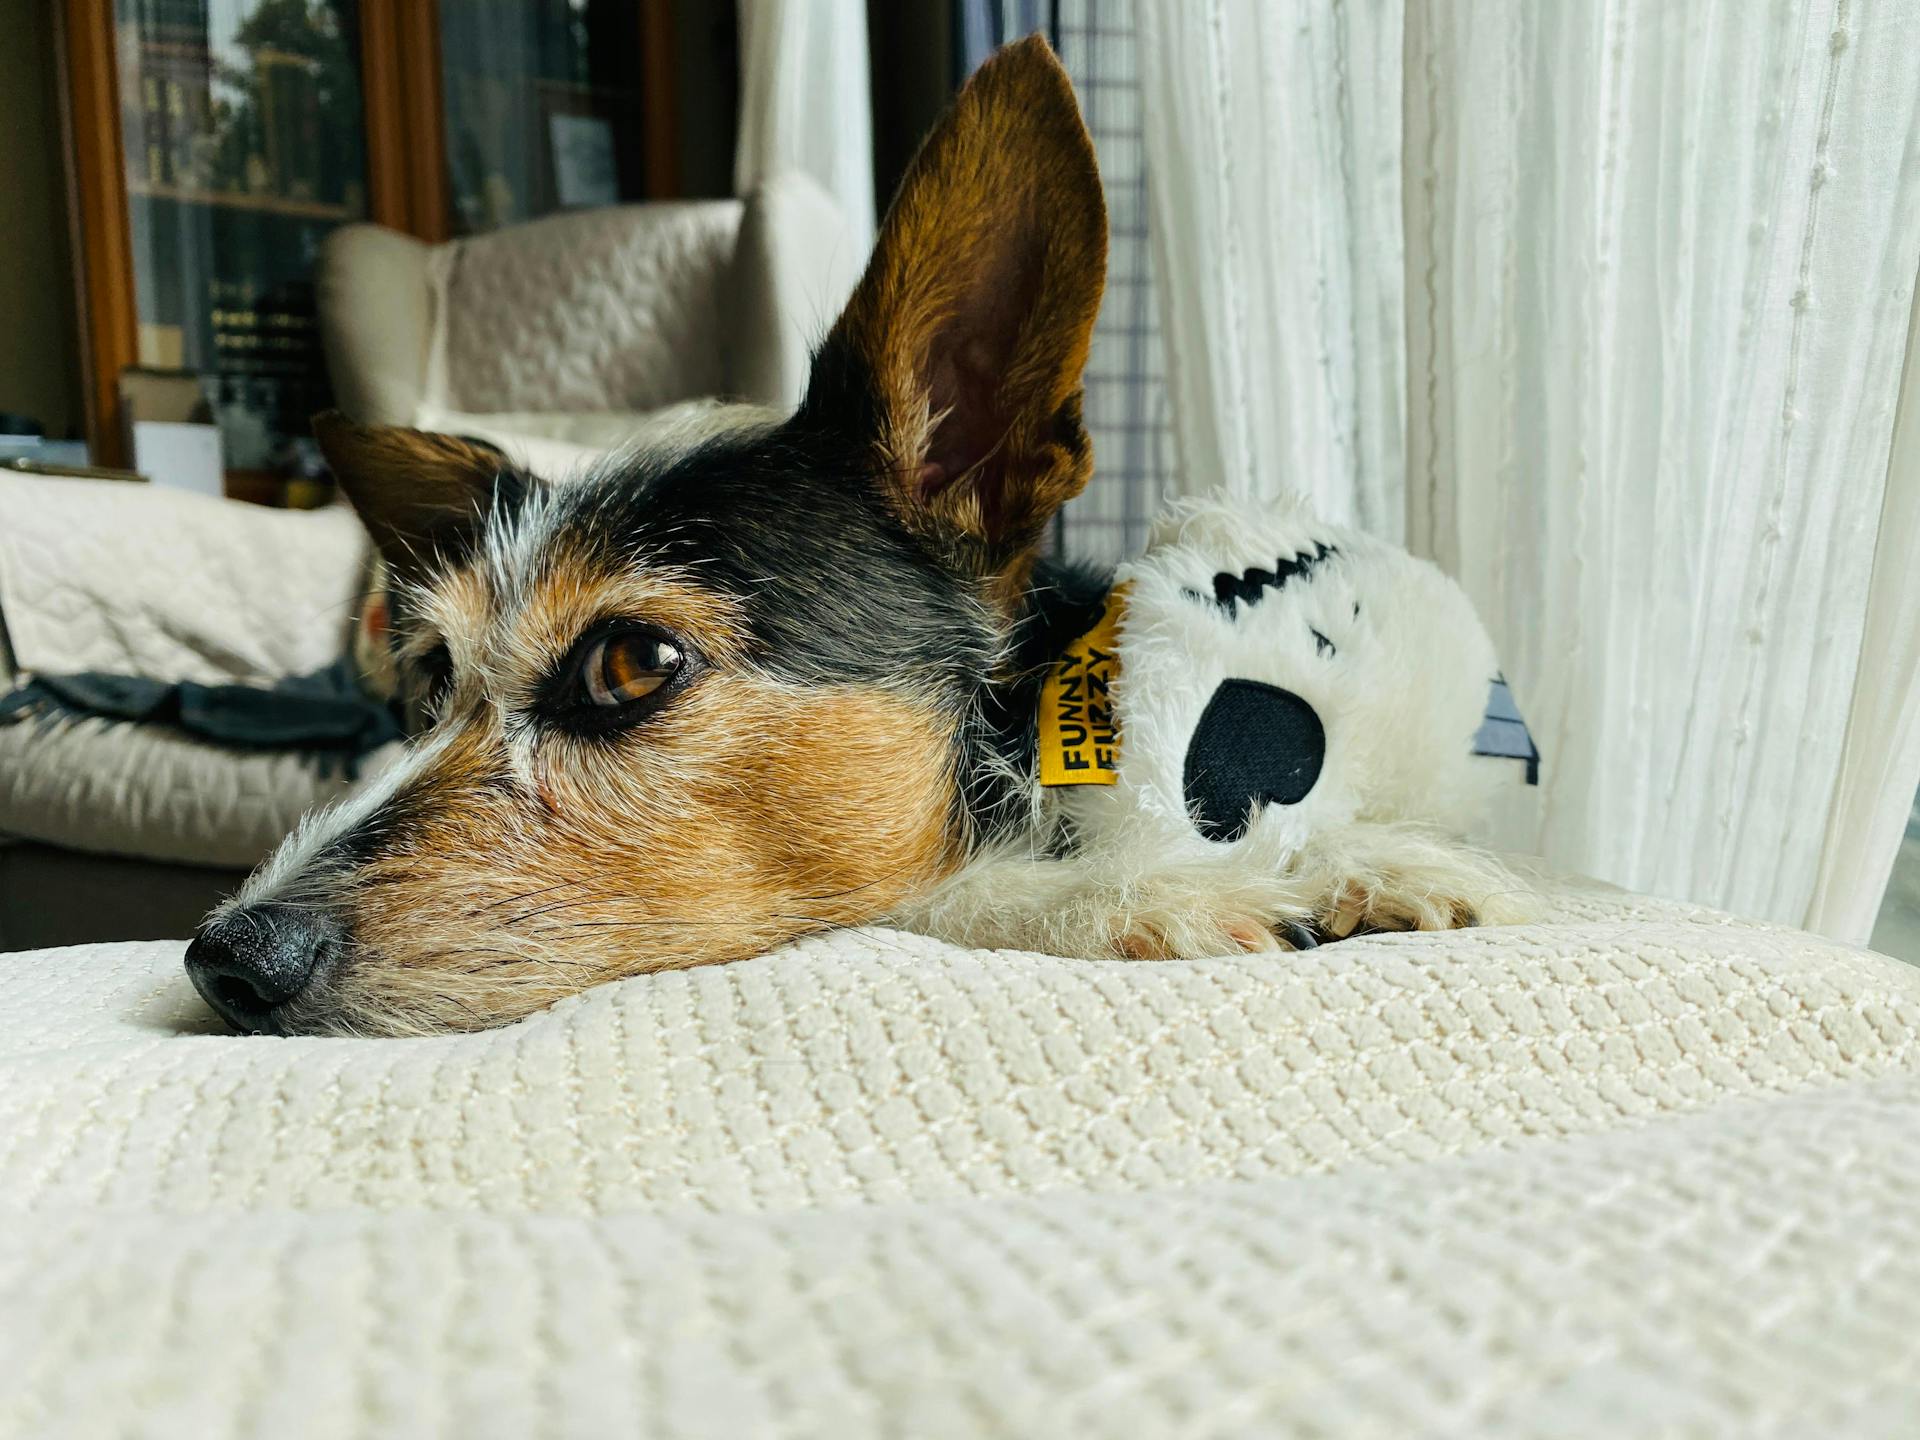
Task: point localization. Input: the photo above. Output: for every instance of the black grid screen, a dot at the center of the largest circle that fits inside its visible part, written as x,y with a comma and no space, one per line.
1126,402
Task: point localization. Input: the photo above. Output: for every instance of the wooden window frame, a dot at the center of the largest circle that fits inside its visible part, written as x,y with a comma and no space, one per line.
97,217
405,119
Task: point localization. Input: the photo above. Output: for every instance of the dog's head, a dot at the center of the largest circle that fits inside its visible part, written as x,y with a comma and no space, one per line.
720,693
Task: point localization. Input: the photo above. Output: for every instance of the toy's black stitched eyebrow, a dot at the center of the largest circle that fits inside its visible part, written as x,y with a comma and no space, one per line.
1230,591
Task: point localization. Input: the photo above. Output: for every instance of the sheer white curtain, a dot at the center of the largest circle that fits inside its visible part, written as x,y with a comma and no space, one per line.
806,101
1658,261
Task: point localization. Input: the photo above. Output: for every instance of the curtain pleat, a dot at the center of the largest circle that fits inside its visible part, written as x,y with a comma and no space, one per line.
1273,163
806,101
1880,763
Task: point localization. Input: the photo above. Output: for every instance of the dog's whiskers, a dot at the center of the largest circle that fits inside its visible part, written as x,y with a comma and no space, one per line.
526,895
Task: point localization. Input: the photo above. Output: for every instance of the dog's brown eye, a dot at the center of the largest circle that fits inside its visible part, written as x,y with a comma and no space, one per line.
620,669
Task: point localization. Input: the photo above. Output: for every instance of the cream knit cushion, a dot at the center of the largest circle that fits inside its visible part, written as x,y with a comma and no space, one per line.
1639,1169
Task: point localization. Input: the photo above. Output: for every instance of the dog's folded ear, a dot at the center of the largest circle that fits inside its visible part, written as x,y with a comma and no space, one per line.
421,496
959,355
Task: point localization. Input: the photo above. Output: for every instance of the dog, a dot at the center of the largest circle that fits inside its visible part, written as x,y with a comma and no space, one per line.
773,674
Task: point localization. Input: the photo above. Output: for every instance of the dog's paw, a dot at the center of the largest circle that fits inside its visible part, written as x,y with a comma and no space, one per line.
1383,878
1355,909
1198,935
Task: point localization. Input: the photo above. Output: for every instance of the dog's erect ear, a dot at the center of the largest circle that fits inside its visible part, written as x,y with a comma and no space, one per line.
959,355
420,495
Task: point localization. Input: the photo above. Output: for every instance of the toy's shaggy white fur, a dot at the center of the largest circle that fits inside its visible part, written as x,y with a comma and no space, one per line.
1390,655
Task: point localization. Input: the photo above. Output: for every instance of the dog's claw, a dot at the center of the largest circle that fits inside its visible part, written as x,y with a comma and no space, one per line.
1298,935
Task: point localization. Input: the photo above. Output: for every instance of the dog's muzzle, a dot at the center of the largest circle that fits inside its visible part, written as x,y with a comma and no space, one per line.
251,964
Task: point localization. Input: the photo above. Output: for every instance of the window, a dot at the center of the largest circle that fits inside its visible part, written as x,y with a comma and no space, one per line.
241,127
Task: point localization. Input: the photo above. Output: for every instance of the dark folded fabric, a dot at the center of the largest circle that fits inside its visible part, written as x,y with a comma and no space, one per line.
324,715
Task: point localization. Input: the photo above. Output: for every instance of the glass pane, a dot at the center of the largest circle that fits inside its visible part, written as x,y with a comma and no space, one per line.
243,131
1897,931
543,107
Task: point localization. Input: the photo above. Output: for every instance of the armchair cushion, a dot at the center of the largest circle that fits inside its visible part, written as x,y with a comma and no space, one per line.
553,445
150,793
558,446
596,310
370,285
554,339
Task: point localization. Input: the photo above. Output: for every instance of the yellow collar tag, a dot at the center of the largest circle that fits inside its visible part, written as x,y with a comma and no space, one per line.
1079,735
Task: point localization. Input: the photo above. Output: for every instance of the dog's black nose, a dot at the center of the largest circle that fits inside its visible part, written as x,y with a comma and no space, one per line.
251,961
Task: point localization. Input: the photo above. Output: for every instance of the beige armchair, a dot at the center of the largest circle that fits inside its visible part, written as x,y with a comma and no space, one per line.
557,338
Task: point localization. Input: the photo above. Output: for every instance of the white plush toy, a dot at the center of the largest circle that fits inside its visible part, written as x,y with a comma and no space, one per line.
1279,678
1277,734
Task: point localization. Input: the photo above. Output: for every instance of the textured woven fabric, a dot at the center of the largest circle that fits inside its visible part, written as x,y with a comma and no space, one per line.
1636,1170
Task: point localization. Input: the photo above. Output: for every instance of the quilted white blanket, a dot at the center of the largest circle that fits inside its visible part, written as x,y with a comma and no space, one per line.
1636,1171
140,580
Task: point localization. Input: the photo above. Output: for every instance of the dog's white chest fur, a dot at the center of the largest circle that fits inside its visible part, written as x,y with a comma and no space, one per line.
1280,677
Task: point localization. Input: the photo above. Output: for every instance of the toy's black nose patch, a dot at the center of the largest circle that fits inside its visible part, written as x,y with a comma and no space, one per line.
1255,745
